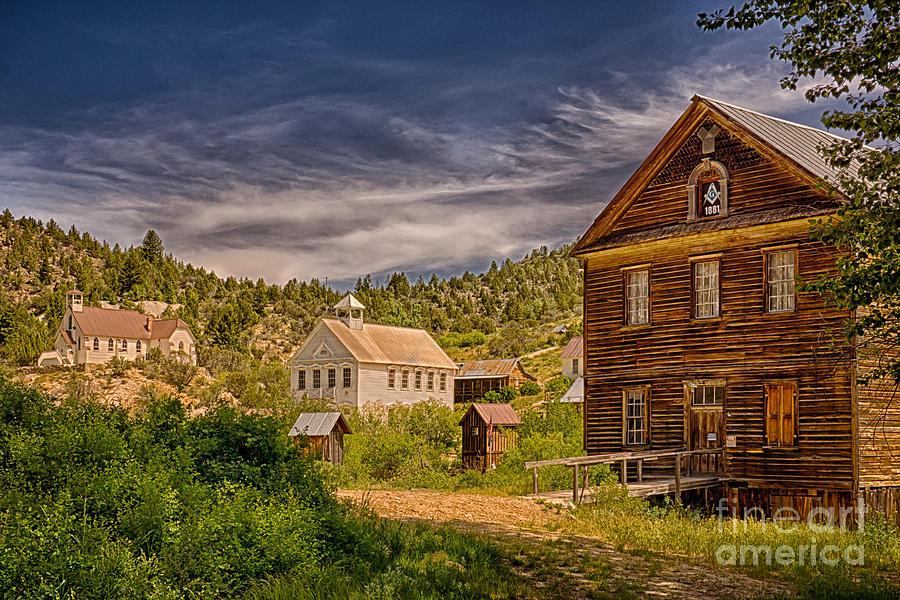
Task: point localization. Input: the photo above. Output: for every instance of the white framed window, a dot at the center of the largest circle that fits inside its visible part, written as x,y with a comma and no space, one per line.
124,345
575,365
96,344
637,297
346,378
634,408
301,379
110,345
430,381
418,381
780,274
137,346
706,289
392,378
443,382
404,379
332,377
317,378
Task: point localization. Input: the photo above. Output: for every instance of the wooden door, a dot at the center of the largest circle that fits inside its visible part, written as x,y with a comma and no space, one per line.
705,426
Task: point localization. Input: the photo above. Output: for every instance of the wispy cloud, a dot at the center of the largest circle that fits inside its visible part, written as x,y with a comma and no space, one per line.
286,178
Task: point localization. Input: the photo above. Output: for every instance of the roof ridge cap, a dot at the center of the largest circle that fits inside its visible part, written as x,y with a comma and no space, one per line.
781,120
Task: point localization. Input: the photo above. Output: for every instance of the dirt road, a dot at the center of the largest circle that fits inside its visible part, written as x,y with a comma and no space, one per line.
564,565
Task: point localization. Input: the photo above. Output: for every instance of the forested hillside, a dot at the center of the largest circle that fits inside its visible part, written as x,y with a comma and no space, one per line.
502,312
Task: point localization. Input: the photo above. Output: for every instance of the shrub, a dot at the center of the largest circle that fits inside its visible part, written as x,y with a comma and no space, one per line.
530,388
557,386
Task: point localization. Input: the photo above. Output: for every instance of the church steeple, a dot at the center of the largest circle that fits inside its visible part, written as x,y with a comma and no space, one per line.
75,300
350,311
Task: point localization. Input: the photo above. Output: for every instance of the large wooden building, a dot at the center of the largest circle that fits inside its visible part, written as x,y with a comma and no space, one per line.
697,337
352,363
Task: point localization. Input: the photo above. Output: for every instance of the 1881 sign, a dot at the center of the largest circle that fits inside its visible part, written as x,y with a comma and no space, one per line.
711,199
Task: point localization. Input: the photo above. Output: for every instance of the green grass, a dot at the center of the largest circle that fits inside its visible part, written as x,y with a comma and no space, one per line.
636,526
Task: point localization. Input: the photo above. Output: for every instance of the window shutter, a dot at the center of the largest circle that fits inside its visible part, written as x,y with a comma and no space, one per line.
773,418
787,415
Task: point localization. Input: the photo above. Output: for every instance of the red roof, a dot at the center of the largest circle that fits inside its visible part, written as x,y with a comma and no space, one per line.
574,349
498,414
116,323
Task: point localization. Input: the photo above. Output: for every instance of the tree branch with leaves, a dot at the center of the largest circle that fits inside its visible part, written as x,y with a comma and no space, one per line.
849,51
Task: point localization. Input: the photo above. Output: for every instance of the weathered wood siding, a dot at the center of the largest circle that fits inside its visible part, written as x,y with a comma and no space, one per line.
746,347
474,442
879,430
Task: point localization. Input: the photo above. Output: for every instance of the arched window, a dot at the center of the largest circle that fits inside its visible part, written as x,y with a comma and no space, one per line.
708,191
111,345
181,346
137,346
96,345
124,345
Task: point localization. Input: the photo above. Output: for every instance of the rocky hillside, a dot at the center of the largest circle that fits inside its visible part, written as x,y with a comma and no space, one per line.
506,311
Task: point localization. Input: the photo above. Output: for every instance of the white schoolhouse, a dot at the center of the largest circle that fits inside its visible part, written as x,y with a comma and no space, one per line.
353,363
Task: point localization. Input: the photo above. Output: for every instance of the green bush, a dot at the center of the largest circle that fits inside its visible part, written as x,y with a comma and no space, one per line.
530,388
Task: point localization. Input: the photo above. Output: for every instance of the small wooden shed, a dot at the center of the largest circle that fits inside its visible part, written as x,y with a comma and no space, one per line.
325,431
489,430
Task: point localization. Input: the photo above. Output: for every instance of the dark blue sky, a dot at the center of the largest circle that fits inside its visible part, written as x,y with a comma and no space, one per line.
298,139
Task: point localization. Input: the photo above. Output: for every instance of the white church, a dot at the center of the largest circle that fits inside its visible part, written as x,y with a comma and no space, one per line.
352,363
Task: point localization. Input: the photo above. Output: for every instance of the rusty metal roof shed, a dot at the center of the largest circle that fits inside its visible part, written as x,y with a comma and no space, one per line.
491,368
498,414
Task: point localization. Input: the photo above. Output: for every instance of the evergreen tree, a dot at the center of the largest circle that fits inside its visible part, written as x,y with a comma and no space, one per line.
152,247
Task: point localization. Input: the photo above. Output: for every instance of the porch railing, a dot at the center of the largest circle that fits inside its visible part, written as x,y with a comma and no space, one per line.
623,459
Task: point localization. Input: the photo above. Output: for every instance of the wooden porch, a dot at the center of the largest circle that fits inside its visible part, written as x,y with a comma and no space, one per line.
686,475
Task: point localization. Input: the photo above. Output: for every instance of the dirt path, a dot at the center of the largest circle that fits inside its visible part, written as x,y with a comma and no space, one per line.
539,352
574,566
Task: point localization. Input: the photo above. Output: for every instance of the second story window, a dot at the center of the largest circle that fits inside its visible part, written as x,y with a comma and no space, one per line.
637,297
332,378
346,380
301,379
780,273
392,378
706,289
317,379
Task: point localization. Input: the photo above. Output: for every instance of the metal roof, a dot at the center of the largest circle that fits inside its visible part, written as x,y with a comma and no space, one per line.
797,142
318,424
116,323
574,349
498,414
386,344
575,393
496,367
